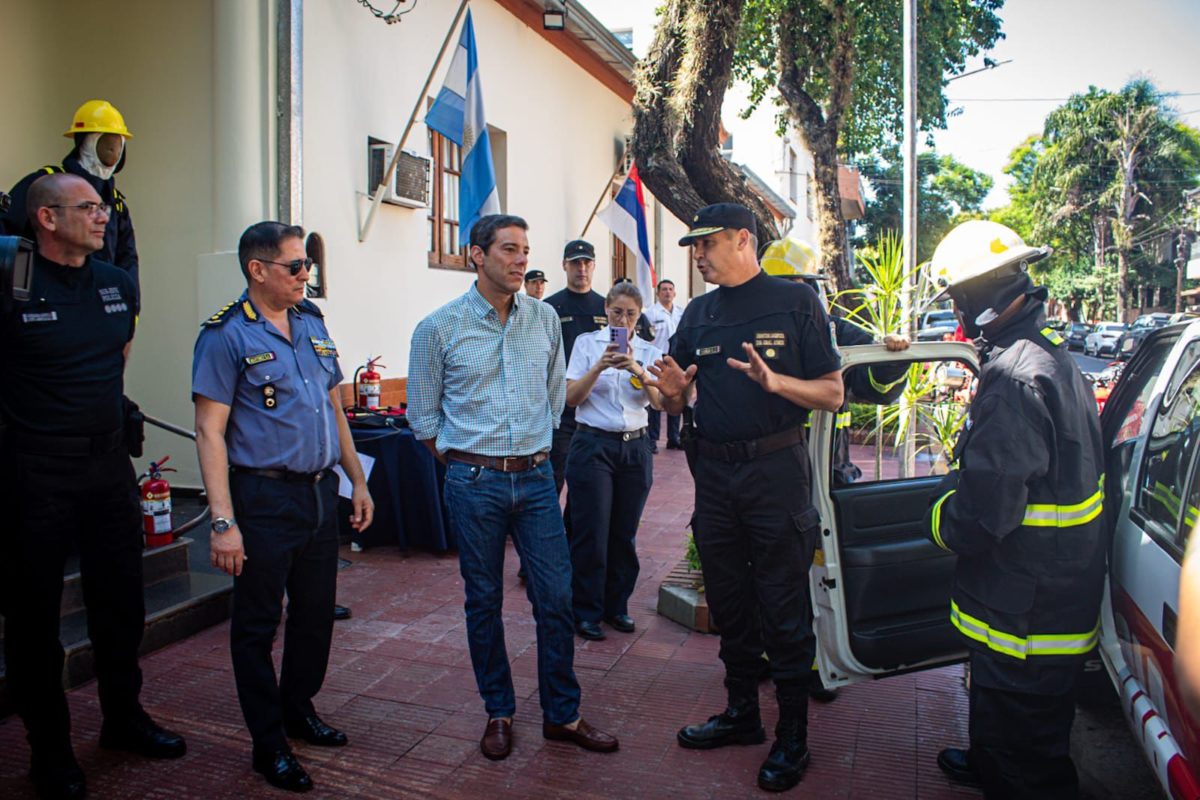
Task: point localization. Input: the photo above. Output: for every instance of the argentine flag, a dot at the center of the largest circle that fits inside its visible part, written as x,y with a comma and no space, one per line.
626,217
457,114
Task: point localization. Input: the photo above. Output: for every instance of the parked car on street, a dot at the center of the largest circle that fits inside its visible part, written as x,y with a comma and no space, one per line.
881,590
937,325
1104,338
1076,333
1132,338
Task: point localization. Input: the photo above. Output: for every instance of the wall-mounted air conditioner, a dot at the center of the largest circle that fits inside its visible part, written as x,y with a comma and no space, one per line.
410,183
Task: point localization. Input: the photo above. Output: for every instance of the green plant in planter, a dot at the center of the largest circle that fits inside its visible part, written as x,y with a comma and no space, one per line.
691,554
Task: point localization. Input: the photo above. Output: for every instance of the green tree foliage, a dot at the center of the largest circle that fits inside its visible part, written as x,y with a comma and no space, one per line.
1109,171
835,66
947,189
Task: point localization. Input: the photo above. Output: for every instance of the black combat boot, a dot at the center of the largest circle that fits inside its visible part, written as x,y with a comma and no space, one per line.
789,754
739,723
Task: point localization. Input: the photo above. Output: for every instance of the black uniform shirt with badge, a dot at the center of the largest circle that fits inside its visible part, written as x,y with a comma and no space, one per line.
63,361
789,330
578,313
281,416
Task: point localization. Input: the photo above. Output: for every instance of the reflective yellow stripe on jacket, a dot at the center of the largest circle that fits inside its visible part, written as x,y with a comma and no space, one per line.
1048,515
884,388
936,525
1053,644
840,421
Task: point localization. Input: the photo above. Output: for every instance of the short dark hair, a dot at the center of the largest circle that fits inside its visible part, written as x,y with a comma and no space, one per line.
664,280
624,288
262,240
483,232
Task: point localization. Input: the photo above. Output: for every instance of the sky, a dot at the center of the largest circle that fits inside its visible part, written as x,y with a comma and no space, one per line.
1057,48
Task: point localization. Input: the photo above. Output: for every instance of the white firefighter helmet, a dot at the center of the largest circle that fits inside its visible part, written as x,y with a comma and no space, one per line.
789,257
976,248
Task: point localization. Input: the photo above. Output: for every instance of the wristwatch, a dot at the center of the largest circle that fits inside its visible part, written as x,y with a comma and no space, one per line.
222,524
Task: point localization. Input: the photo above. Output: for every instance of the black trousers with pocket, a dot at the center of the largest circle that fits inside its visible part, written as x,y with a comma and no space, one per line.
756,531
290,533
56,505
609,481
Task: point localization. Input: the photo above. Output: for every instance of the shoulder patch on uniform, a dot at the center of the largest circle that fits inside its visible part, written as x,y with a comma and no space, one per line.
1052,336
222,316
307,306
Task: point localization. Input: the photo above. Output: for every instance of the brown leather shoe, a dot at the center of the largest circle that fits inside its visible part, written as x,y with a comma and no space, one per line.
496,743
584,735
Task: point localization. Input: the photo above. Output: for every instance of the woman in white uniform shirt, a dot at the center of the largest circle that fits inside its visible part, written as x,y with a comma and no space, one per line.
609,467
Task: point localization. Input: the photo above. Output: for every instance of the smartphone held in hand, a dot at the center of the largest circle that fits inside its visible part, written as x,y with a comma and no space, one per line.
620,337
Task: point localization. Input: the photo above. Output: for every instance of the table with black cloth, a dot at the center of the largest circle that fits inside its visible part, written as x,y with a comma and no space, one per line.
406,485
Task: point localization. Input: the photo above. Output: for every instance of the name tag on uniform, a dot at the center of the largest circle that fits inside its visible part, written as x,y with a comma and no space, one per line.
115,308
601,321
565,320
769,343
708,351
323,347
45,316
258,359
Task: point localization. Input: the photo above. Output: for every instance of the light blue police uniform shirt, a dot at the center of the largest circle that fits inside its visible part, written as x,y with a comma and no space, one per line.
245,362
481,387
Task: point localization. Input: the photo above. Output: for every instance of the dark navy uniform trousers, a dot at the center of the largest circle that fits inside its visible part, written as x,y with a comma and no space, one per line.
58,504
608,480
290,533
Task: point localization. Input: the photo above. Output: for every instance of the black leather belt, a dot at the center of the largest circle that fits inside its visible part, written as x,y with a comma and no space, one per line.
41,444
749,449
282,474
624,436
500,463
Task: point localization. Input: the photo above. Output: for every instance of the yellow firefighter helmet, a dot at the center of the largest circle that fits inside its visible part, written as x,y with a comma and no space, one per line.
98,116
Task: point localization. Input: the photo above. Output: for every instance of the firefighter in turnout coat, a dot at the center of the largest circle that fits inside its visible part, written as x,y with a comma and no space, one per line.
1023,511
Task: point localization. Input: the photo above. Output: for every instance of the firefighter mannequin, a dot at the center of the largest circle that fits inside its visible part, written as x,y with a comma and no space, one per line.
100,135
1023,511
880,384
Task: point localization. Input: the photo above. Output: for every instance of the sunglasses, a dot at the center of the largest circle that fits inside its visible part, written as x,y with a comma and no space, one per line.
293,267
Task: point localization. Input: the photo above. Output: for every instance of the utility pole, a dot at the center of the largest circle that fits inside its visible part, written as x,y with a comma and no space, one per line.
909,238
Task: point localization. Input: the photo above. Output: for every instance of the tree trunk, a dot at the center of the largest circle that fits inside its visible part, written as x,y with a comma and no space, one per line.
819,126
681,85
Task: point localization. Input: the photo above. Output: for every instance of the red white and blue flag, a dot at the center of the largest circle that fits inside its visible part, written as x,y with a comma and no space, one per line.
626,217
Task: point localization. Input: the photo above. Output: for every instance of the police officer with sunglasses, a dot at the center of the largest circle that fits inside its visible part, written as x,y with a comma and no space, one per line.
268,433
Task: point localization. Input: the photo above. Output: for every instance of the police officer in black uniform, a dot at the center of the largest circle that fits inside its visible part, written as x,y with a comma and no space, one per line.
1024,512
580,310
269,430
758,354
68,484
99,154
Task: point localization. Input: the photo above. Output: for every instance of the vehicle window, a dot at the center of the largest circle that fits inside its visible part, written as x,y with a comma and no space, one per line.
1169,451
1191,512
1133,417
907,425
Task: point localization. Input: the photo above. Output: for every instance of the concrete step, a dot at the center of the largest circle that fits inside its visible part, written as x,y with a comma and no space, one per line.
179,603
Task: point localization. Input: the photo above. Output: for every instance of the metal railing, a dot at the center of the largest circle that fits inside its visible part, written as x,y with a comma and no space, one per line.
199,519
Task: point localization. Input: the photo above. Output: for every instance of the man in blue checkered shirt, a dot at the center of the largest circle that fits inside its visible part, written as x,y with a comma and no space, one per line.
486,388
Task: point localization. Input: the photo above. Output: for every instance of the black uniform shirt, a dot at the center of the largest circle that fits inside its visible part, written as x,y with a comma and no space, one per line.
62,361
579,313
789,329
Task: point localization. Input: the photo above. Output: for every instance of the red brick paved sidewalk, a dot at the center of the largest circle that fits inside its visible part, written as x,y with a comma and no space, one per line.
400,684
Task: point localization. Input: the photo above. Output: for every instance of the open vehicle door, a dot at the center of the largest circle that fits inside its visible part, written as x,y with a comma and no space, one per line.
881,589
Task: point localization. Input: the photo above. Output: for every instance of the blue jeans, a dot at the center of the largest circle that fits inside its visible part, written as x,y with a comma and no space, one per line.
485,507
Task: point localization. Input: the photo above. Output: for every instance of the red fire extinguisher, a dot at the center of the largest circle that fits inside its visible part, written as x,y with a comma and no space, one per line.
156,505
368,384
